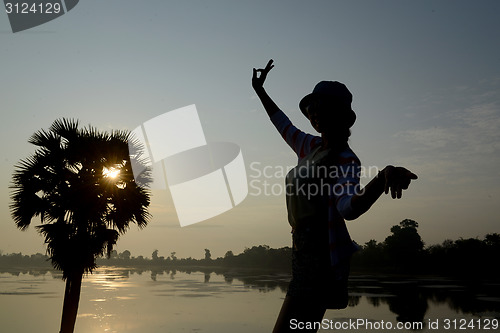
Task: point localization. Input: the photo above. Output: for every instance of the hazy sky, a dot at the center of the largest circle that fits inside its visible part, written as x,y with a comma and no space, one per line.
425,77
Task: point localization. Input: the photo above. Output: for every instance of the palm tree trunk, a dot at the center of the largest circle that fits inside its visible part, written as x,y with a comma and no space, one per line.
71,300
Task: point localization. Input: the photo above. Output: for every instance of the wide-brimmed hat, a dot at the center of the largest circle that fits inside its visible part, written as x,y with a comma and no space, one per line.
335,92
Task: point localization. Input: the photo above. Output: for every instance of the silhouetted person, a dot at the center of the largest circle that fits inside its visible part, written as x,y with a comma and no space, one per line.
322,191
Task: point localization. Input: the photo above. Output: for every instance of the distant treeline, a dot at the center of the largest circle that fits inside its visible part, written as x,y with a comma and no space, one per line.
401,252
14,260
261,256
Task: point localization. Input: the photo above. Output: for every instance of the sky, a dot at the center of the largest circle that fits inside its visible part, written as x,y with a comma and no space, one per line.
424,76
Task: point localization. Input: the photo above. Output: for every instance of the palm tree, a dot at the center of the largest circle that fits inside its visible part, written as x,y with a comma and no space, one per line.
81,185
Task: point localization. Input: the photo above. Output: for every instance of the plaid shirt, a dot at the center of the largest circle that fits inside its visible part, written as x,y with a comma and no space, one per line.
341,191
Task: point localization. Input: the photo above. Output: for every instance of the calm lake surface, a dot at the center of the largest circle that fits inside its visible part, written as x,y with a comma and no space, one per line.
128,300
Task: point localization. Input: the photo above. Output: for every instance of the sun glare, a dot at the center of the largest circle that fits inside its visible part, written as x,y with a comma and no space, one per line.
110,172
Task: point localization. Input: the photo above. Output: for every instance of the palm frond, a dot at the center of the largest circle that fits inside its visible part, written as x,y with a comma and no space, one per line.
66,128
48,140
121,135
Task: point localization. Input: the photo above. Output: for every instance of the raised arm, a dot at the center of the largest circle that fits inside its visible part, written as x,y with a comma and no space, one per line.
299,141
258,85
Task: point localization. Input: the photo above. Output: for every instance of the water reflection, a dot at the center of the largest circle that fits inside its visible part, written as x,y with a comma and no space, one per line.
114,299
409,299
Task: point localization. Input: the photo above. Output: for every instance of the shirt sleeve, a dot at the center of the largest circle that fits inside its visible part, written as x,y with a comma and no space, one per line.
348,184
302,143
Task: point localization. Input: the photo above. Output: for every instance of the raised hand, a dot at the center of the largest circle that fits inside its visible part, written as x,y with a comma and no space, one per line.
397,179
258,80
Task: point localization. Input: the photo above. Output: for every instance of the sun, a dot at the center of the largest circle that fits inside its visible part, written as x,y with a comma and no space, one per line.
111,172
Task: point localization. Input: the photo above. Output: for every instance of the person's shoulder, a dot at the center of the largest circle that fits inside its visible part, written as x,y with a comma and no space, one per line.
340,157
316,141
347,156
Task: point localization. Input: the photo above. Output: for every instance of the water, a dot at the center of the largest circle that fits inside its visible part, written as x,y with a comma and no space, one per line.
127,300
